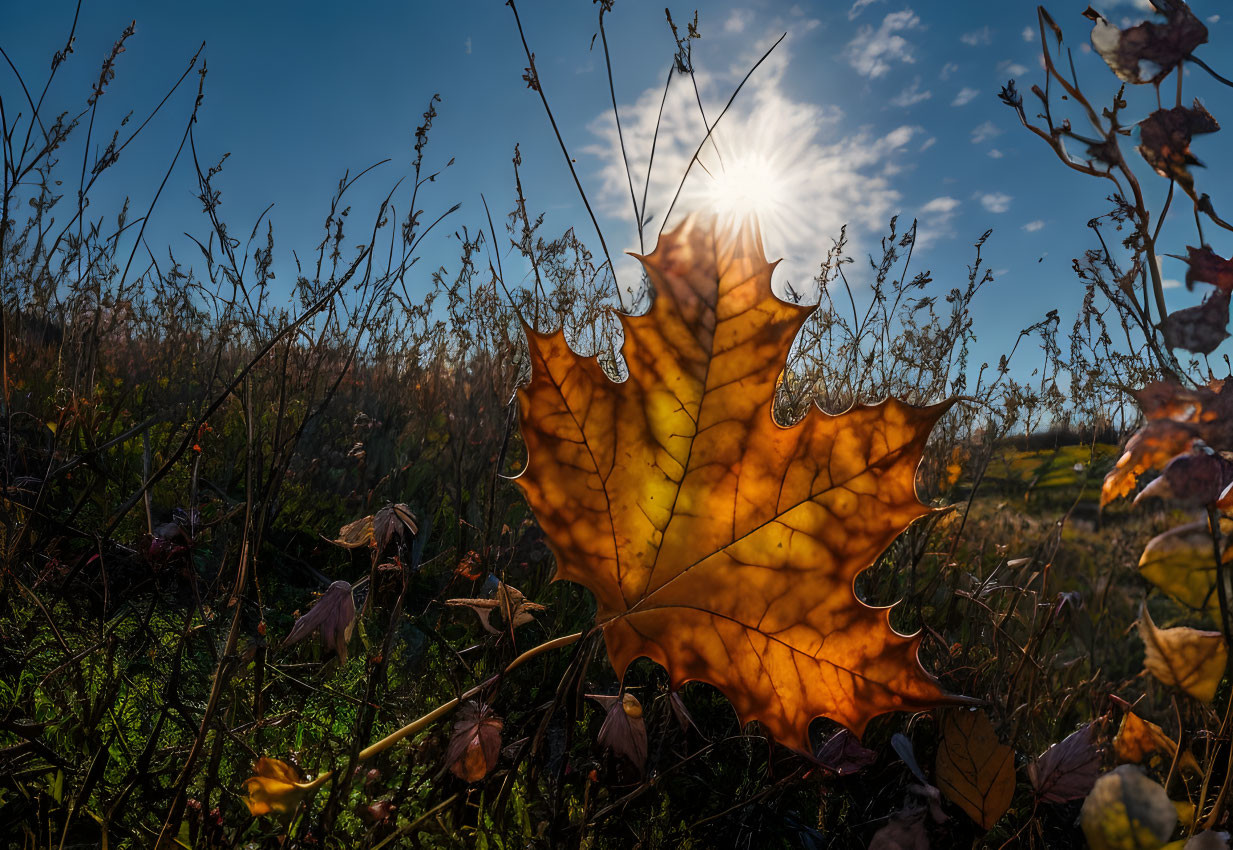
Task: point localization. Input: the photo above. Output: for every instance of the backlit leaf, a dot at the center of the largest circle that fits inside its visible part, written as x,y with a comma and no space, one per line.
332,616
623,730
515,609
1183,657
1127,811
1165,137
1182,563
1140,741
1207,267
275,790
717,542
1146,52
974,769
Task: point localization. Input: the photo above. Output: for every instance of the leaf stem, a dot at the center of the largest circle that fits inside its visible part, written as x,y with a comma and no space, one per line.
440,711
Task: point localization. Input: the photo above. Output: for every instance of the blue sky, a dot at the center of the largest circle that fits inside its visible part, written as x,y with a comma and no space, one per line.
869,108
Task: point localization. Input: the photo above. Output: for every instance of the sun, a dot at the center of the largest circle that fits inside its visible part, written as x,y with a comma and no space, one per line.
750,183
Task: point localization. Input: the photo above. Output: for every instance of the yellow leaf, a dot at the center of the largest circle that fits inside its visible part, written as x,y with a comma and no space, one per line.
1127,811
1138,741
717,542
1182,563
974,769
276,789
1182,657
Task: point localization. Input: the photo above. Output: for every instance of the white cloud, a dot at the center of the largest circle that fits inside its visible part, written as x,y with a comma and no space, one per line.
1028,34
911,95
1013,68
858,7
738,20
928,143
966,95
984,35
1170,283
995,153
947,69
1213,19
872,51
942,205
1033,226
984,132
995,202
829,171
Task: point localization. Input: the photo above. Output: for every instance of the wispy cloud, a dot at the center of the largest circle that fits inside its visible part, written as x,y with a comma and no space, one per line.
995,202
467,45
1013,68
947,69
984,35
1028,34
859,7
872,51
911,95
994,153
966,95
985,132
1033,226
831,172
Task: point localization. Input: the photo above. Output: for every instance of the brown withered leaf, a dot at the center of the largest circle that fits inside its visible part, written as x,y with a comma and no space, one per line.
1205,266
1183,657
1068,769
1198,477
623,730
355,534
475,745
1201,328
1164,141
1176,415
717,542
333,616
843,755
1140,741
974,769
1161,45
515,609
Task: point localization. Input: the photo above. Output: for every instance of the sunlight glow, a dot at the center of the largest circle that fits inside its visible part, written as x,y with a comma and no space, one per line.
749,183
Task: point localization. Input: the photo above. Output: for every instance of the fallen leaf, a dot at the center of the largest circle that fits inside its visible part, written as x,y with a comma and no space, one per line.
1146,52
623,730
1183,657
1201,328
333,616
1127,811
514,607
717,542
904,831
1140,741
276,789
1182,563
475,745
1067,770
974,769
842,754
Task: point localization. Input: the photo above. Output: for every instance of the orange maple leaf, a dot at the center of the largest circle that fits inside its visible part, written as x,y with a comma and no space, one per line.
717,542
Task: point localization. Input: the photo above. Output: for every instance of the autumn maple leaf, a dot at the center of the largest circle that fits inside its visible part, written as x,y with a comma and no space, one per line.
717,542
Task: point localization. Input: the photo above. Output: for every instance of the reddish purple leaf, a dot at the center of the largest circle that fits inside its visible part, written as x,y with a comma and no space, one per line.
475,745
842,754
333,616
1067,770
1201,328
624,730
1199,477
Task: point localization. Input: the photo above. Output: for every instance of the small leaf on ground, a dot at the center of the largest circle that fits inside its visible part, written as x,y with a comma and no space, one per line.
1127,811
974,769
1067,770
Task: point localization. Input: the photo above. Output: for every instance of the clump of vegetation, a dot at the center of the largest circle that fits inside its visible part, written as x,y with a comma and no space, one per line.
267,581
